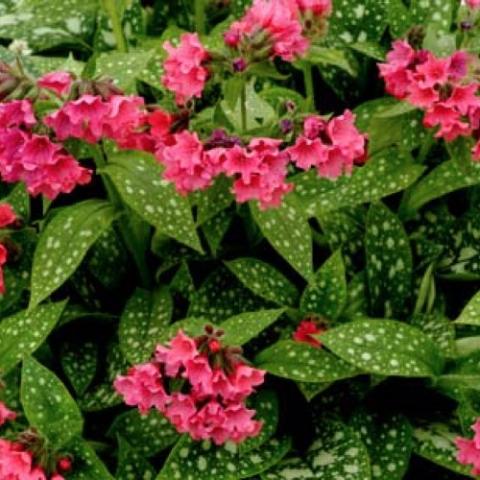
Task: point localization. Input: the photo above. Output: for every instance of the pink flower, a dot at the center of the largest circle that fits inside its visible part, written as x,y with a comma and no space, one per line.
180,410
124,115
344,134
318,7
434,71
83,118
240,424
143,387
240,162
16,463
473,3
186,165
313,126
279,20
307,153
208,423
7,215
39,151
181,350
6,414
185,74
12,141
59,82
305,331
244,380
17,113
199,374
469,450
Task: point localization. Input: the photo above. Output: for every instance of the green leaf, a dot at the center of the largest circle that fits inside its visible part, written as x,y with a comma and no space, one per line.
245,326
222,296
388,441
370,49
79,362
264,280
350,23
385,173
123,68
87,465
304,363
389,263
266,404
289,234
216,228
385,347
64,243
290,469
460,172
150,433
214,200
435,442
421,11
338,452
25,331
326,294
131,464
399,18
471,313
440,329
138,178
330,56
254,462
145,315
19,199
47,404
190,460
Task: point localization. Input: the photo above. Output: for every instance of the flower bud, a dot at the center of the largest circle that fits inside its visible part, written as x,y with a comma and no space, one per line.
239,65
64,464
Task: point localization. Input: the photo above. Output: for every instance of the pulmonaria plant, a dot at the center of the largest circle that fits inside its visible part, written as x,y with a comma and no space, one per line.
199,385
444,87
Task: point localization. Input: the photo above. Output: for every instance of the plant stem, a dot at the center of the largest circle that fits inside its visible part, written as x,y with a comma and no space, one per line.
200,16
123,225
308,81
243,106
113,13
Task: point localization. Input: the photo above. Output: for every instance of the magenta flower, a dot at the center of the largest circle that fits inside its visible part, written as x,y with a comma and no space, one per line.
59,82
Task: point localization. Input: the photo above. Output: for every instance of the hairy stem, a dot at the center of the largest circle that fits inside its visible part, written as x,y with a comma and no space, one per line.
114,15
308,81
243,107
200,16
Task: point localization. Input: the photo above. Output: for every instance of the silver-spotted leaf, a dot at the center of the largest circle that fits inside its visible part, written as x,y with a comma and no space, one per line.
385,347
48,405
138,178
471,313
304,363
21,334
87,464
264,280
145,315
243,327
65,242
389,263
326,294
131,464
79,362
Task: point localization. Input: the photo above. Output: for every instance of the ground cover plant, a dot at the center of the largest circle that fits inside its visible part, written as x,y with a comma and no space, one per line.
238,239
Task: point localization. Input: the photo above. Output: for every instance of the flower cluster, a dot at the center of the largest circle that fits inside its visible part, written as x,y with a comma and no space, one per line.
269,29
18,463
469,449
331,147
185,72
306,331
45,167
440,86
199,385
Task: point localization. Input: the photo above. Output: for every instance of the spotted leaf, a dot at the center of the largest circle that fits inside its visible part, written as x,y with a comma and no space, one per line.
144,317
385,347
246,326
64,243
47,404
385,173
301,362
326,294
435,442
25,331
388,441
79,362
87,465
138,178
131,464
338,452
471,313
150,434
389,263
289,233
264,280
